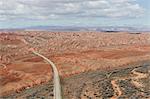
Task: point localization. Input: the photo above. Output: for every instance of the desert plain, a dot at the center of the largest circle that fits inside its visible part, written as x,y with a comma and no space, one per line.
91,65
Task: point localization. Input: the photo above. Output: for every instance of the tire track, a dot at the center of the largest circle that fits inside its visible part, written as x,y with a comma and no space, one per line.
134,80
117,90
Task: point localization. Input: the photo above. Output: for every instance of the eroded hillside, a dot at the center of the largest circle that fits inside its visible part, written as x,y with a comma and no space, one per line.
72,52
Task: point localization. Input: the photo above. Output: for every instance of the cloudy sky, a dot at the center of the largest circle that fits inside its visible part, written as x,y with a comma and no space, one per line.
24,13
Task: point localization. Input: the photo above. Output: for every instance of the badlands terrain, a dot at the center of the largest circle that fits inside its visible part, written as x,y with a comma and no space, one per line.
92,65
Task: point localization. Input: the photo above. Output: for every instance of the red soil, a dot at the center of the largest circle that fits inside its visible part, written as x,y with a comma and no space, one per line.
34,71
25,70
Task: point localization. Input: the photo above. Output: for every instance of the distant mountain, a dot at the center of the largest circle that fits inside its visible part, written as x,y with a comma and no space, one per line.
82,28
11,30
87,28
126,29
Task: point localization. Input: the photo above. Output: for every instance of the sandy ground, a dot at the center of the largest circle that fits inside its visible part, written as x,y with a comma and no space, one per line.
73,54
96,85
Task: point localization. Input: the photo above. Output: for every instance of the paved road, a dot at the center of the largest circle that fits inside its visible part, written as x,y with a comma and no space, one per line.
57,86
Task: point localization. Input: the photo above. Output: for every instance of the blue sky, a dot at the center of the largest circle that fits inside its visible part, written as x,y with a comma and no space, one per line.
26,13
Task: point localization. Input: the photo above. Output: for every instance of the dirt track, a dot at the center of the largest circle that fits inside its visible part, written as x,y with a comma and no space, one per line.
97,85
73,54
33,71
56,78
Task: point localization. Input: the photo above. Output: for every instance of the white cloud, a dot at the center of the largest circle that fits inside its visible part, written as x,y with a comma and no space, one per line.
49,9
